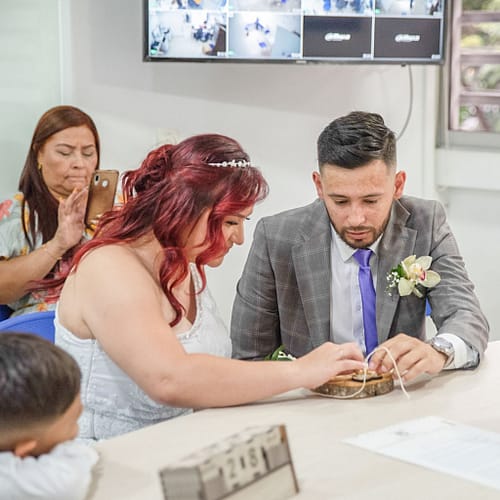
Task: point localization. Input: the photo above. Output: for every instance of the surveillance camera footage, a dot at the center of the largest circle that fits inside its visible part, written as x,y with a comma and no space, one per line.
299,31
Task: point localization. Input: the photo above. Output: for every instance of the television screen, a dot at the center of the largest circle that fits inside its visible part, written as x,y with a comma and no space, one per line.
300,31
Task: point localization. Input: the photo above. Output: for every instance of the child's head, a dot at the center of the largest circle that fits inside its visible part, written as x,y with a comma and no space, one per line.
39,394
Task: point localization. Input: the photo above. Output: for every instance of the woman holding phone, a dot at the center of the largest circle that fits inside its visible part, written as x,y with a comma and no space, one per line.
136,313
42,223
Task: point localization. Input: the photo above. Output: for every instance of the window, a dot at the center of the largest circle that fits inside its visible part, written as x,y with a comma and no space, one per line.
474,66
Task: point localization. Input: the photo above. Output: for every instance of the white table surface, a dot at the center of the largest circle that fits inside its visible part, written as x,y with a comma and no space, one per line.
326,468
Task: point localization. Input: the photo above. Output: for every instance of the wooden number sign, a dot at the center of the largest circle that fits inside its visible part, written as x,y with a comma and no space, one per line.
255,463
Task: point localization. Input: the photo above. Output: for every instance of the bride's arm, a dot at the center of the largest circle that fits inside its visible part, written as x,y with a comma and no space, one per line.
119,302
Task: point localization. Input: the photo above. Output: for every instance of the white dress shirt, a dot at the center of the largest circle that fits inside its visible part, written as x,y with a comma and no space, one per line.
346,317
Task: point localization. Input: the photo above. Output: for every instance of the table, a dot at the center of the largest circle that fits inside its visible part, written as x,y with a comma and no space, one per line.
326,468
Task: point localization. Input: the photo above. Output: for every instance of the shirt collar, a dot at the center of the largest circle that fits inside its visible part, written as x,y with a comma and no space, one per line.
345,250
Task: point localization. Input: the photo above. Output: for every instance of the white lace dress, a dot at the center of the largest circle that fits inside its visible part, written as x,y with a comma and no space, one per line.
113,403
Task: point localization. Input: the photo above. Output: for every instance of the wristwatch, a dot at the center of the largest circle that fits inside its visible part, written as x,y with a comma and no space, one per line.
443,346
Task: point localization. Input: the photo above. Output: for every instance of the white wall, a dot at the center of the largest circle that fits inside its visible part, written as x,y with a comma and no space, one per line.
275,111
469,184
29,78
474,218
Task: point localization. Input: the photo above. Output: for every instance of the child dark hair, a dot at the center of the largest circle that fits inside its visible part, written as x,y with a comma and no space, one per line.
38,381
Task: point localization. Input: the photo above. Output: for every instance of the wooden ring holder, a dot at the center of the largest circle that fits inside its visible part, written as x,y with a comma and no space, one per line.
346,386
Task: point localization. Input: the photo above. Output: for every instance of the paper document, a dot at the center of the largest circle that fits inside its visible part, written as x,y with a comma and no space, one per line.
439,444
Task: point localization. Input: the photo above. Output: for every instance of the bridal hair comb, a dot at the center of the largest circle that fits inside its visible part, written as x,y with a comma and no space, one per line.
232,163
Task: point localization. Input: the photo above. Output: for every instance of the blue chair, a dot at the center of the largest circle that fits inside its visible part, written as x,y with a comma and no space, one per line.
39,323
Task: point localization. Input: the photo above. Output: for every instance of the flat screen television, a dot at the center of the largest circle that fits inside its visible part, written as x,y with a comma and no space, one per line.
297,31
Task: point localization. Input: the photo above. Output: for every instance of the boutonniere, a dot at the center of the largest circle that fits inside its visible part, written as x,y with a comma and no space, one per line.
412,273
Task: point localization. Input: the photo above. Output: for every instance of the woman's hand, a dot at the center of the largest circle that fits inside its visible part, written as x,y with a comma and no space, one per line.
70,218
327,361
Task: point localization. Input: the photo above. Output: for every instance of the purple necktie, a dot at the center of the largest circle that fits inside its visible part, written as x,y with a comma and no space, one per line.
368,298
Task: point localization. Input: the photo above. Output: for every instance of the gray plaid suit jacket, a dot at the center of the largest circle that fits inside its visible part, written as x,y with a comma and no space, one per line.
283,295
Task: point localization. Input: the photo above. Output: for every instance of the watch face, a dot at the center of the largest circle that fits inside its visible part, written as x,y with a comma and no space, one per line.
442,345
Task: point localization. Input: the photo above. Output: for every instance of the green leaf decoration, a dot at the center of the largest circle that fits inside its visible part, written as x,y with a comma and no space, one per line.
279,355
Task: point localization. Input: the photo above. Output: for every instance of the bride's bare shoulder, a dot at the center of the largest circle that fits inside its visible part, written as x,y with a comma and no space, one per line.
114,256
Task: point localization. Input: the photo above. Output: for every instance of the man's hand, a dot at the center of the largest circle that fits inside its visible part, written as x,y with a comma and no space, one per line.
413,357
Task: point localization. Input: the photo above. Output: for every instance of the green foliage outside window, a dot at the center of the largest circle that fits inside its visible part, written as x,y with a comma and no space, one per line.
481,35
479,70
481,5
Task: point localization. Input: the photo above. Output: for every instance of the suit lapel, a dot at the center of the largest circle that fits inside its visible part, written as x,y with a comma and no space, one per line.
397,243
312,266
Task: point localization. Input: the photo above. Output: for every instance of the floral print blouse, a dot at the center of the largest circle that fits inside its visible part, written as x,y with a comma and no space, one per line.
13,244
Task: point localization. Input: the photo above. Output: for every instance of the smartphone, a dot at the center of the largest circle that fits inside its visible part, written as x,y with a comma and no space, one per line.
102,191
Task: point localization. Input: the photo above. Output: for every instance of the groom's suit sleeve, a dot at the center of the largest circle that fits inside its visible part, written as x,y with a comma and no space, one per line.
255,329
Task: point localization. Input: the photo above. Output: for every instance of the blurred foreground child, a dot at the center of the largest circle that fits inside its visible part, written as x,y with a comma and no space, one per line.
39,409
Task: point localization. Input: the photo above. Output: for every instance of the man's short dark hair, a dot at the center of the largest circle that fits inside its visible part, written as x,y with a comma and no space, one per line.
38,380
355,140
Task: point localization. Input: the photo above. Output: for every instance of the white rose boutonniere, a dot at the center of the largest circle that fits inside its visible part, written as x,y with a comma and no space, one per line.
412,273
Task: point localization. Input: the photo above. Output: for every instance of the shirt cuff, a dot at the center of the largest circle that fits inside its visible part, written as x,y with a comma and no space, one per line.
465,355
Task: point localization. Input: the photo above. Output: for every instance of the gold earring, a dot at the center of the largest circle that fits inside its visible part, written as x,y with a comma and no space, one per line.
40,167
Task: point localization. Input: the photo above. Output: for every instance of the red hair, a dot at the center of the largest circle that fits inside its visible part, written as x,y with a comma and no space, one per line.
167,195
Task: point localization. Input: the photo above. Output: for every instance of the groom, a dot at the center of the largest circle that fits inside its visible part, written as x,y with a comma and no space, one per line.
319,272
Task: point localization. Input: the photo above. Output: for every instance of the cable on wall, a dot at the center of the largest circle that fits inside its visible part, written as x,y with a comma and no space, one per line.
410,105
